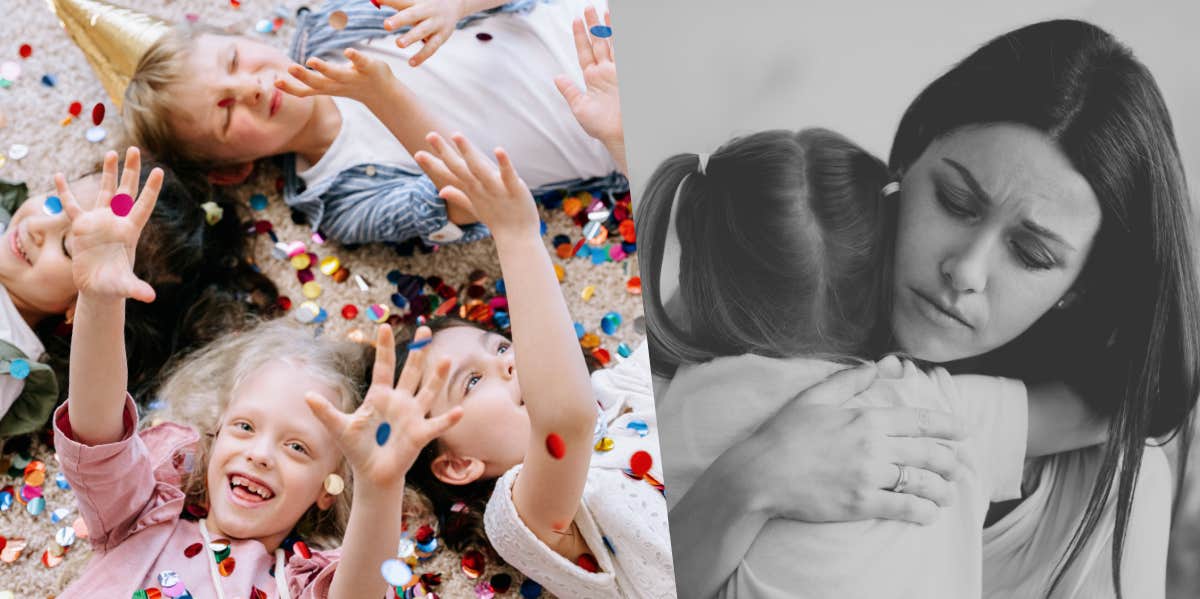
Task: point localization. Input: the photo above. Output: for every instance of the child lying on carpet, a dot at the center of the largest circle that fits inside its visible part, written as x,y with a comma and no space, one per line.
273,453
196,269
204,97
575,503
742,351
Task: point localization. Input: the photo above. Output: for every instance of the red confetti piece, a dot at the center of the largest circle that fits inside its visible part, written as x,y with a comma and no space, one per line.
284,303
25,50
588,562
226,566
602,356
122,203
225,103
424,534
556,446
376,3
302,549
257,593
193,550
473,563
640,462
349,311
634,285
98,114
235,3
76,109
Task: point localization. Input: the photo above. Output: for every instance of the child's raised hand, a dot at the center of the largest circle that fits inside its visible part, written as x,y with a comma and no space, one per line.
598,109
432,22
103,244
381,455
498,196
363,79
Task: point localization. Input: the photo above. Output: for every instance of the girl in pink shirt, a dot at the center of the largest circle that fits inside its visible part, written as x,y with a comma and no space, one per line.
269,463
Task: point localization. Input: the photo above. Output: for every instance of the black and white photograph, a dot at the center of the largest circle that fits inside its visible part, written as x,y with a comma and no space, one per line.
921,292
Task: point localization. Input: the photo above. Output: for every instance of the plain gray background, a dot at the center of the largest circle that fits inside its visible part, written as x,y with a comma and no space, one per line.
693,74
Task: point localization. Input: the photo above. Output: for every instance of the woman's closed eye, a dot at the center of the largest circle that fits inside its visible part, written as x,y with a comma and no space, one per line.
1033,255
957,203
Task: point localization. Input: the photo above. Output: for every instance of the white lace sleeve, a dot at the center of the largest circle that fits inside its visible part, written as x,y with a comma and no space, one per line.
624,523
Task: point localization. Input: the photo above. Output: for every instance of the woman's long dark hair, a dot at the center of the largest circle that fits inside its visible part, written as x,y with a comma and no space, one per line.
1130,346
205,283
780,248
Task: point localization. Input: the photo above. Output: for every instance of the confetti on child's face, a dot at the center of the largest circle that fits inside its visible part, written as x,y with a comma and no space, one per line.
260,120
35,262
271,455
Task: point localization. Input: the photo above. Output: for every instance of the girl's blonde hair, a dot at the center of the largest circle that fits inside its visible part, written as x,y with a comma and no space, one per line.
198,391
148,103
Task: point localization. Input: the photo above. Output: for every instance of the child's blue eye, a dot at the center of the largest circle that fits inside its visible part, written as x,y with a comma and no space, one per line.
245,426
503,348
472,381
295,446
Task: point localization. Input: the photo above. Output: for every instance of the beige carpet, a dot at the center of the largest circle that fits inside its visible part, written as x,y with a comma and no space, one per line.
30,115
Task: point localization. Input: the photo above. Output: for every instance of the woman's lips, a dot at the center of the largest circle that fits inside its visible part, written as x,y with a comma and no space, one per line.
939,313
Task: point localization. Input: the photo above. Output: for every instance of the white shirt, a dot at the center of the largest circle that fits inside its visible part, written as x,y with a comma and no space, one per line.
14,330
630,514
710,407
498,92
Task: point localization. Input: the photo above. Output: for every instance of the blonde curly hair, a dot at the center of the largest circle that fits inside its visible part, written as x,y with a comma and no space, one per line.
198,391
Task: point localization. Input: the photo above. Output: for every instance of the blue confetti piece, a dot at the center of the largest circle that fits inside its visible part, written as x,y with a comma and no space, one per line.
18,369
601,31
542,226
579,330
382,433
415,345
49,80
501,319
321,317
500,287
599,255
624,351
60,479
394,276
258,201
608,544
400,301
638,426
560,239
610,322
52,206
584,251
35,506
6,501
530,589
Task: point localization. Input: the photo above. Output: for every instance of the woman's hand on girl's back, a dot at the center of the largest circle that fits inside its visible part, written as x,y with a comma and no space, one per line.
497,195
835,464
102,245
381,457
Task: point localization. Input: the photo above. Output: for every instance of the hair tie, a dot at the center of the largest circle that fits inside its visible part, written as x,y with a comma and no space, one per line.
703,157
889,189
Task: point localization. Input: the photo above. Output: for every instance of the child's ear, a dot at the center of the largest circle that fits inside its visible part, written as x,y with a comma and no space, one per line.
325,501
458,471
232,174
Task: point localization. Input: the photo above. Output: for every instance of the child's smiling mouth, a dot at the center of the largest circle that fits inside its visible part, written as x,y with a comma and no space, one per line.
249,490
15,243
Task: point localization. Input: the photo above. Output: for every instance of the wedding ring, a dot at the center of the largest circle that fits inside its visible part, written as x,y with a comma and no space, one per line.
901,479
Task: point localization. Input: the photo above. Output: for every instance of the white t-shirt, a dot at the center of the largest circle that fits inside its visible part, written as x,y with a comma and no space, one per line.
14,330
710,407
498,92
624,521
1022,549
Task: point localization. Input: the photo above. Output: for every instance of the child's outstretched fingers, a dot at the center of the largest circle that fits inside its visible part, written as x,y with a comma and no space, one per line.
132,172
482,168
108,179
70,205
414,365
508,172
453,160
144,207
384,370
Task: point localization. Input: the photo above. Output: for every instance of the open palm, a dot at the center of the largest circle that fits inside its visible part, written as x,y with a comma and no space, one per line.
400,406
102,244
598,108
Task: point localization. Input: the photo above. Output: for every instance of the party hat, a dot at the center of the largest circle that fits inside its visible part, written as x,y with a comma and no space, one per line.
112,38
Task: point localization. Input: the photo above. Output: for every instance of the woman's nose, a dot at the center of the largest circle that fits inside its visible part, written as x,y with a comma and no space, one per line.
966,270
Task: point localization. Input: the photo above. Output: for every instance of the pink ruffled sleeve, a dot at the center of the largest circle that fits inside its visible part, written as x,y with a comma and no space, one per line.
125,486
310,578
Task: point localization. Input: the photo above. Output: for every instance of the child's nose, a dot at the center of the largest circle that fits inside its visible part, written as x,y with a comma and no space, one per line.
42,226
249,92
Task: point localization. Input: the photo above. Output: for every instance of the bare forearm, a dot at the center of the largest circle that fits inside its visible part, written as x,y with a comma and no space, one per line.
98,372
371,538
715,523
401,111
616,147
554,377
